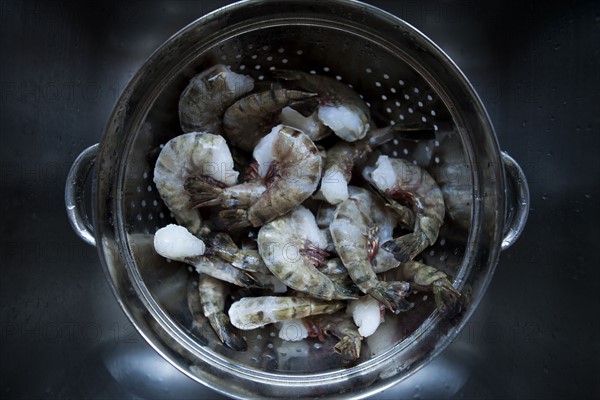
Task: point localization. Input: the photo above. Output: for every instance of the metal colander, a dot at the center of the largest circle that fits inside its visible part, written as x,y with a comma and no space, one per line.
404,79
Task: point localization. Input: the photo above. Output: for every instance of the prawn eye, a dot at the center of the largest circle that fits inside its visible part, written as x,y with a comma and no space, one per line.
372,242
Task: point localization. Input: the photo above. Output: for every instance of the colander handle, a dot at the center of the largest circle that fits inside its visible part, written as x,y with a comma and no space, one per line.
74,194
518,201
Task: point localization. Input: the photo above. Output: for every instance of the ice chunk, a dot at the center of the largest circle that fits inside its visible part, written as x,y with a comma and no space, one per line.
366,315
311,125
212,157
176,242
334,186
383,176
263,152
345,123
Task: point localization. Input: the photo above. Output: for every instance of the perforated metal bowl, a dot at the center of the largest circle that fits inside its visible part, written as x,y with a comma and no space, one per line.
405,79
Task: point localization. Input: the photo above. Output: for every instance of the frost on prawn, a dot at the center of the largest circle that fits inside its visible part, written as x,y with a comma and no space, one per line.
191,154
291,246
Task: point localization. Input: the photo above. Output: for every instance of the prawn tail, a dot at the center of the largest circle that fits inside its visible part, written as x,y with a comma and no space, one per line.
406,247
393,295
222,326
233,219
249,281
449,302
349,347
342,292
204,191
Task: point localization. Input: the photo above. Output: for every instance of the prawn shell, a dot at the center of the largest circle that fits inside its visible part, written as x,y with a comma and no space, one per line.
254,312
186,155
282,243
204,101
298,175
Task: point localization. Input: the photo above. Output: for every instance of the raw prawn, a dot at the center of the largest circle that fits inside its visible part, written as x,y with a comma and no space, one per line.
341,157
176,243
291,247
358,225
340,108
207,96
290,165
254,312
190,154
252,117
341,326
410,185
448,300
213,293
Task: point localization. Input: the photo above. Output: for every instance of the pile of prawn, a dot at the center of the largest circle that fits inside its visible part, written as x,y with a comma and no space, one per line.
295,227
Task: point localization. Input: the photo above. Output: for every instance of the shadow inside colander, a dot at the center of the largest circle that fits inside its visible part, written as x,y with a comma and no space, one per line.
395,95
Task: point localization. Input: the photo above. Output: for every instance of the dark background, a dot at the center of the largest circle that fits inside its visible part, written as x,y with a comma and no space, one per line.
536,67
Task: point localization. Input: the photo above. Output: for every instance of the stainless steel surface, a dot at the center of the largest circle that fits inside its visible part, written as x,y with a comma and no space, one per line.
61,324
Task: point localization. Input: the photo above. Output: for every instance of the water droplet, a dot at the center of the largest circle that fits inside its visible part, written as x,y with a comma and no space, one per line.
545,196
549,154
588,196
